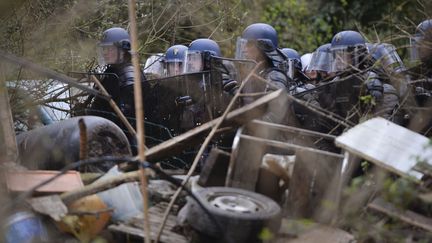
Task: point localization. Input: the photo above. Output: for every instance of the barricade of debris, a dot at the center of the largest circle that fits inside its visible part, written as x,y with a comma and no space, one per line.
274,185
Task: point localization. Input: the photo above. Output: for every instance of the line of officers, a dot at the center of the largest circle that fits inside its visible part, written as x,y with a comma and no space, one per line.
347,77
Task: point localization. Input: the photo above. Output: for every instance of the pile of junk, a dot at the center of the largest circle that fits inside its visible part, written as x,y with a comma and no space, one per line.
77,180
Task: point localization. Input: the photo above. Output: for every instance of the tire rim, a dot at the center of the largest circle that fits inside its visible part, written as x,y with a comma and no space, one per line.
235,203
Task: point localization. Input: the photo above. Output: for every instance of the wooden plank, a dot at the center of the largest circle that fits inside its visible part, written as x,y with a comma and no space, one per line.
8,146
387,145
406,216
21,181
135,226
314,186
235,118
258,124
215,169
290,148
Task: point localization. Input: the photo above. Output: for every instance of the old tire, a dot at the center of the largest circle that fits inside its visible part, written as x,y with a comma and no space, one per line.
241,214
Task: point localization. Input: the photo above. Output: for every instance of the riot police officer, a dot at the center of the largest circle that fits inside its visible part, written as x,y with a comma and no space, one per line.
351,65
388,67
319,66
118,76
174,58
203,55
421,75
421,54
259,42
154,66
294,66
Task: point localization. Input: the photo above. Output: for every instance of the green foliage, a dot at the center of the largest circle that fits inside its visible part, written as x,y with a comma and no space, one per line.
368,99
401,191
365,166
297,25
266,234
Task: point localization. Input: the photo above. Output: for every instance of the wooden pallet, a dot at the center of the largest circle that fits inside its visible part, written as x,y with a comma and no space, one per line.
135,226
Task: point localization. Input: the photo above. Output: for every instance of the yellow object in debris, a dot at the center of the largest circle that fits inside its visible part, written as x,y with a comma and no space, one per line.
87,217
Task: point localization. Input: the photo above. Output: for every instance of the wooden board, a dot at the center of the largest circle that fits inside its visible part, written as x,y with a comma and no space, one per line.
247,158
8,147
387,145
135,226
215,169
21,181
314,186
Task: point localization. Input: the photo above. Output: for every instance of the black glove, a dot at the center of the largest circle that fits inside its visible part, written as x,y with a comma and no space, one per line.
183,101
229,85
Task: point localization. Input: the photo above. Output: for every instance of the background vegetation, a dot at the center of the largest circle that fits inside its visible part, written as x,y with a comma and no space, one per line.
62,34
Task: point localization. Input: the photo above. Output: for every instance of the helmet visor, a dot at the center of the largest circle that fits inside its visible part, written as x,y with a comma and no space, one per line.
421,48
241,48
193,62
109,54
290,69
174,68
249,49
389,58
153,67
342,59
414,55
320,61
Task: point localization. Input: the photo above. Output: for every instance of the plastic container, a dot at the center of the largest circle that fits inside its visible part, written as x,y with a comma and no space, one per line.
25,227
126,199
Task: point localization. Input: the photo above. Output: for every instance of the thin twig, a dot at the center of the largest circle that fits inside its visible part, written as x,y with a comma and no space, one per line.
83,139
139,110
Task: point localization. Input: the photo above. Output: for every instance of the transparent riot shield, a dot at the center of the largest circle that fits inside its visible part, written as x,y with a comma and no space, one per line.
342,96
185,101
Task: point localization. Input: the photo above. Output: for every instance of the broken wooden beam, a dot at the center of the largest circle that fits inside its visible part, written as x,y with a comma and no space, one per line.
69,197
407,216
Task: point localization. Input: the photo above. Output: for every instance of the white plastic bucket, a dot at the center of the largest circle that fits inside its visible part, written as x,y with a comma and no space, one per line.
126,199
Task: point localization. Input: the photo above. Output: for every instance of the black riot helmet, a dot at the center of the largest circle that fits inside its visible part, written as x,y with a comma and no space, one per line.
199,53
174,58
259,42
348,49
114,46
262,36
421,42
